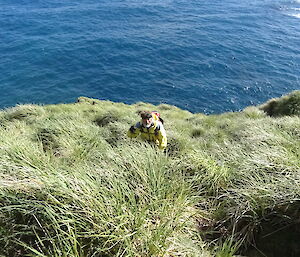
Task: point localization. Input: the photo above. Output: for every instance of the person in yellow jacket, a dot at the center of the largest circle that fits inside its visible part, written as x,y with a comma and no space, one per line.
150,128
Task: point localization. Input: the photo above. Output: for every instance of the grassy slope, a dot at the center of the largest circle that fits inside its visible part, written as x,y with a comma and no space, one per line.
72,184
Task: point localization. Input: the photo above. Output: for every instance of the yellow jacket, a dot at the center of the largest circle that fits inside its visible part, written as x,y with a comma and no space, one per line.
156,133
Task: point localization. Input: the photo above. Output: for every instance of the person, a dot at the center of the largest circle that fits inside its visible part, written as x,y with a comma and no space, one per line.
150,128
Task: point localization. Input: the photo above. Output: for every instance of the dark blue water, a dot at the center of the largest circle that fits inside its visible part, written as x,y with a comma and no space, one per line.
202,55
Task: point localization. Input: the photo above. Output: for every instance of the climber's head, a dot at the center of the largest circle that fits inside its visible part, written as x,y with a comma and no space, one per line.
147,119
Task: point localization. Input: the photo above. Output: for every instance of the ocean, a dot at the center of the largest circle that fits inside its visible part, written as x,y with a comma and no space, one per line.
208,56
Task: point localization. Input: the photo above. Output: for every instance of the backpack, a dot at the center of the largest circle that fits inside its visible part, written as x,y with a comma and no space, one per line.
157,114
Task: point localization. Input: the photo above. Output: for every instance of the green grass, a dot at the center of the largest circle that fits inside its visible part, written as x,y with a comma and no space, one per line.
72,183
287,105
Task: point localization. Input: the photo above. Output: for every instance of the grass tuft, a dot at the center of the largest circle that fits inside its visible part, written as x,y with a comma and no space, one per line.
286,105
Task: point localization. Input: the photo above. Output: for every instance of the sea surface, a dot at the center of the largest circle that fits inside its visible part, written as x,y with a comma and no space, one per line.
206,56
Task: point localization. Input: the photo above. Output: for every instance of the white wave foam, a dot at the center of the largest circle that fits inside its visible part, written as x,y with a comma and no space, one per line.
297,15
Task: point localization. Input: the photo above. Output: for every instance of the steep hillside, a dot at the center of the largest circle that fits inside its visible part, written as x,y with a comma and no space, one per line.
72,183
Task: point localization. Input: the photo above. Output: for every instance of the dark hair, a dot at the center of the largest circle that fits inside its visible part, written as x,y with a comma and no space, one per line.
146,115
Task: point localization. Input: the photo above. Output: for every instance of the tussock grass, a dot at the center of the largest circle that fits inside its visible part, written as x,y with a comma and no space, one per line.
286,105
73,184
